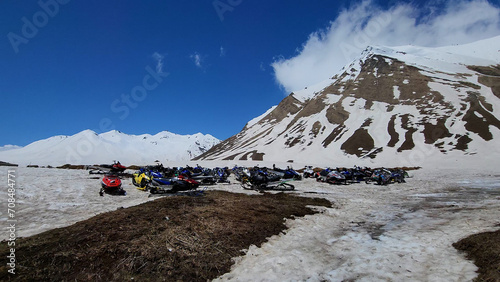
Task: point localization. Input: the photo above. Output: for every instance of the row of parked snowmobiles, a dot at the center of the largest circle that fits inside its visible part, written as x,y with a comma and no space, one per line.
380,176
262,178
158,179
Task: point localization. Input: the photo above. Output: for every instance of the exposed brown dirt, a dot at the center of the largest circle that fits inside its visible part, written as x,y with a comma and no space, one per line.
310,108
408,144
315,129
336,114
255,138
392,132
7,164
484,250
486,70
462,142
479,124
289,105
70,166
229,158
220,148
177,238
334,136
492,82
433,133
359,143
254,155
491,77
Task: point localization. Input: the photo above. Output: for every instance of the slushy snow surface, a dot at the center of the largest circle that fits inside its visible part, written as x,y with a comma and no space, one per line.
399,232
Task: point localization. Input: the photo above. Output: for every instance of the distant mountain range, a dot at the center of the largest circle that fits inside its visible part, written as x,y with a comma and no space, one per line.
402,106
88,147
9,147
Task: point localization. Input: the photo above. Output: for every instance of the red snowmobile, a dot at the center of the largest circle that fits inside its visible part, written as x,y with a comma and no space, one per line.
112,184
116,168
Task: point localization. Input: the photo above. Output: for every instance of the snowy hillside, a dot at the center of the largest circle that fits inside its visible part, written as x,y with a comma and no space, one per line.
8,147
88,147
404,105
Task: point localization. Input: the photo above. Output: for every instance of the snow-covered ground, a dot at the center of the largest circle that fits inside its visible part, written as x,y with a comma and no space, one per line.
399,232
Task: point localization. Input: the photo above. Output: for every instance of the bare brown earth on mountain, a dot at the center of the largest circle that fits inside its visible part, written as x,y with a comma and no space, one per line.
359,143
478,119
289,105
183,238
433,133
490,78
334,136
382,83
392,132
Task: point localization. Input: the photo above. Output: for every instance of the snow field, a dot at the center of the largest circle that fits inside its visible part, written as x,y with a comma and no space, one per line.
398,232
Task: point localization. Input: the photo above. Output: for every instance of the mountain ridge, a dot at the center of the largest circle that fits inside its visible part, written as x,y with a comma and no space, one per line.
88,147
404,105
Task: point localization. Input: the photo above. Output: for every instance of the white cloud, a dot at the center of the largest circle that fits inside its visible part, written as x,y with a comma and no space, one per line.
326,51
222,52
197,59
159,61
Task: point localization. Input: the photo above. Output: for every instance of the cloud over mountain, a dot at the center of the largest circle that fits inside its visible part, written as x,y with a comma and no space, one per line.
366,24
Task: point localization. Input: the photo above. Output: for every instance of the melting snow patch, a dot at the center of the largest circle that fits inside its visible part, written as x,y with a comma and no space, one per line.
332,98
396,91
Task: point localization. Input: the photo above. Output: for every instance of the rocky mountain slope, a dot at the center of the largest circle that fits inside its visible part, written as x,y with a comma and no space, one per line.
88,147
404,106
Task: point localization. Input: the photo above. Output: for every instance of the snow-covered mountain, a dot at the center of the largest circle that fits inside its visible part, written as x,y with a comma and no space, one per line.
8,147
392,106
88,147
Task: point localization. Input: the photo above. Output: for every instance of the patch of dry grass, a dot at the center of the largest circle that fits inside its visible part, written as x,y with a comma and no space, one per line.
484,250
172,238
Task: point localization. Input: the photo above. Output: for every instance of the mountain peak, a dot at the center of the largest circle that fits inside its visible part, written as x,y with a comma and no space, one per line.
88,147
402,105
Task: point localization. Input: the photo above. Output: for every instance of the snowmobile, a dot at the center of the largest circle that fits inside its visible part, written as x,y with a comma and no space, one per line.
193,182
380,176
199,174
288,173
308,172
331,176
321,175
398,176
170,185
353,175
335,177
116,168
111,184
221,174
240,173
141,179
261,179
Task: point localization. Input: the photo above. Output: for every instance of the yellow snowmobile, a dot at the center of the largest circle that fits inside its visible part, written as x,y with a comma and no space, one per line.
141,179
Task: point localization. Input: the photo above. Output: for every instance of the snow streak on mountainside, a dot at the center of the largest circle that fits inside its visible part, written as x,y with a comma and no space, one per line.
88,147
400,106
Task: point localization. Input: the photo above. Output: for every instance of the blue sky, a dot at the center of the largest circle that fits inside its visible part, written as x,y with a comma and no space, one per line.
185,66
